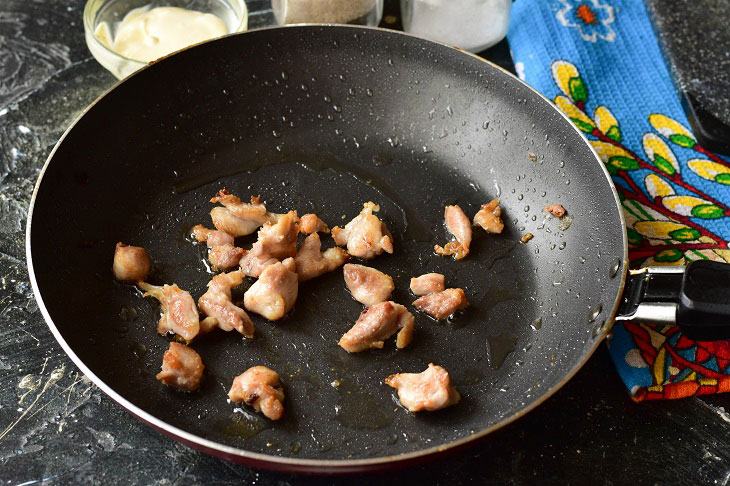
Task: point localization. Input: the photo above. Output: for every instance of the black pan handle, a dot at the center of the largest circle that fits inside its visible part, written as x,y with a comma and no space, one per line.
695,297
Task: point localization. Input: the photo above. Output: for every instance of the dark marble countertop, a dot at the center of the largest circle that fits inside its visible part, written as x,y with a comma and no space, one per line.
57,428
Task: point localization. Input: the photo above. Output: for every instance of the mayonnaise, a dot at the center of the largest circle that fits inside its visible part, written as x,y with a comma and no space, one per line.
146,35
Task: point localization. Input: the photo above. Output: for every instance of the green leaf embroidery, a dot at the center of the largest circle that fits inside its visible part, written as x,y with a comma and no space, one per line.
682,140
707,211
664,165
583,126
635,238
614,133
723,178
577,89
623,163
670,255
684,234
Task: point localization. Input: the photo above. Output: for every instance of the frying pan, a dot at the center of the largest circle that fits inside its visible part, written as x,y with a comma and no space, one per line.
322,119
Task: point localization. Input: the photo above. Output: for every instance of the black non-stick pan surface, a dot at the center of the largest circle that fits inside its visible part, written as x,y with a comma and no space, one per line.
324,118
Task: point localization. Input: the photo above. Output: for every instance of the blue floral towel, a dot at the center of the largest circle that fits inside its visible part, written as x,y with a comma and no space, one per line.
600,62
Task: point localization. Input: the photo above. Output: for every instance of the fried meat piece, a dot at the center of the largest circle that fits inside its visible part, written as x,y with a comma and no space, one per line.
179,313
226,221
222,254
276,242
310,223
489,217
311,263
217,303
365,236
442,304
225,257
182,368
238,218
427,284
429,390
259,387
458,225
131,263
212,238
367,285
274,293
556,210
376,324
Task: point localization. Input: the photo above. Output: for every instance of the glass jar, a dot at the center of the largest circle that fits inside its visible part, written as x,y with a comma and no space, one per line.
472,25
360,12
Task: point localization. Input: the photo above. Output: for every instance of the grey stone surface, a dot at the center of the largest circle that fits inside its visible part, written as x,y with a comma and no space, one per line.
57,428
697,36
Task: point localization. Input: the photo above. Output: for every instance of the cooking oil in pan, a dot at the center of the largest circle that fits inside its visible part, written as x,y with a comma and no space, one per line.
413,228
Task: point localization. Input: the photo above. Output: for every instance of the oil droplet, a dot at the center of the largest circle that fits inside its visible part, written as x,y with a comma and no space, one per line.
276,134
485,125
500,346
536,324
449,110
337,108
284,75
615,266
595,311
597,330
444,133
369,92
327,99
393,141
561,246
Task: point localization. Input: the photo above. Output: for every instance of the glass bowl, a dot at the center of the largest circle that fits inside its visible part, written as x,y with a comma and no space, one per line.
102,18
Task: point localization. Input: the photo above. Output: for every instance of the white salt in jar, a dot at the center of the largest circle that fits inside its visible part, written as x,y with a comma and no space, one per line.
361,12
472,25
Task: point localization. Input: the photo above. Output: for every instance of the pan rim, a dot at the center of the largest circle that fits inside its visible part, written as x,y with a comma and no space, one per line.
326,466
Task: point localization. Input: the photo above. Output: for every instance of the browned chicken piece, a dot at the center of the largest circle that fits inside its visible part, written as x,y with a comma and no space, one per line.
365,236
442,304
252,265
427,284
131,263
376,324
556,210
222,255
275,242
310,223
278,240
259,387
458,225
312,263
225,257
429,390
216,303
489,217
526,237
367,285
238,218
254,211
182,368
274,293
227,222
212,238
179,313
